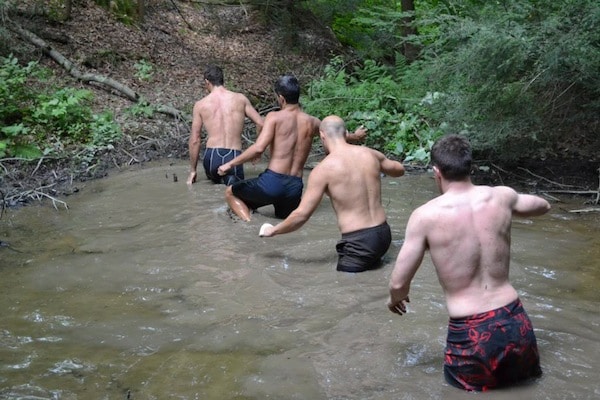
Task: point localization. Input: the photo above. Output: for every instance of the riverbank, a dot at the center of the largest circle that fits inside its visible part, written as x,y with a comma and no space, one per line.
177,41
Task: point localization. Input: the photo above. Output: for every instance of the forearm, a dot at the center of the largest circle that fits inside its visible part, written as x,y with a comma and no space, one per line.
194,149
249,154
356,136
398,291
292,223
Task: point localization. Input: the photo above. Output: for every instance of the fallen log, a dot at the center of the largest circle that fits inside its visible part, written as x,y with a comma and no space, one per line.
103,81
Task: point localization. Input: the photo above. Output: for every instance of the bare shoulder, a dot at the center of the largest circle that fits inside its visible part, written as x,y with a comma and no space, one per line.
273,115
505,193
239,96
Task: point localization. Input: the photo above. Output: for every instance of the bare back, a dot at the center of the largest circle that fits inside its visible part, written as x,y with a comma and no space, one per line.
468,235
292,132
352,176
222,112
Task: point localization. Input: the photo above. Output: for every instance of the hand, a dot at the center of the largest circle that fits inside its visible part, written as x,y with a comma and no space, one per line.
223,169
398,306
360,133
191,178
266,230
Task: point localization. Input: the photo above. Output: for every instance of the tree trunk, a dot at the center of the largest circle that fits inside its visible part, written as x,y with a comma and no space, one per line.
411,51
141,10
68,6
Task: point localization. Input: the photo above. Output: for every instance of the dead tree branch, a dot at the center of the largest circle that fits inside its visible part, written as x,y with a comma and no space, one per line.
104,82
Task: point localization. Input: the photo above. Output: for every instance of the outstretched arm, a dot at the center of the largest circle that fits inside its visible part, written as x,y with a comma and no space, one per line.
255,150
389,167
528,205
315,188
356,136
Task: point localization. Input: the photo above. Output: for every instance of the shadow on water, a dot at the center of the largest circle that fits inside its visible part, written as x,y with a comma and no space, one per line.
147,289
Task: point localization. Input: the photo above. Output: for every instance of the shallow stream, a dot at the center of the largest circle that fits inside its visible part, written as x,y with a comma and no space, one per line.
147,289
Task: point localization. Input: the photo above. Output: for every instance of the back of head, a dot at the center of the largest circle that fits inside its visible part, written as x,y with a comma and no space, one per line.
214,75
333,127
288,87
452,155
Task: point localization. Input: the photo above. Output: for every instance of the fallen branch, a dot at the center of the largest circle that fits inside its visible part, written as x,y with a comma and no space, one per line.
583,192
36,194
103,81
544,179
586,210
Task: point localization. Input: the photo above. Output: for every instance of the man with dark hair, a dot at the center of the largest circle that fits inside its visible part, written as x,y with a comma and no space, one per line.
351,177
222,113
490,342
288,133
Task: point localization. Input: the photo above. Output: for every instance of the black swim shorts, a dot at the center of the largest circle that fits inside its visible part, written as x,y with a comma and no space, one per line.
282,191
362,250
214,158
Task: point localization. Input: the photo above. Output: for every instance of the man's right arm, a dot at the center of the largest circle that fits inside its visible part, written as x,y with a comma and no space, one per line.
315,188
194,143
409,259
255,150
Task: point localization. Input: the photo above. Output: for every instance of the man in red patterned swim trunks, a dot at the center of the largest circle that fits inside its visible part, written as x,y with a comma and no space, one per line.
490,340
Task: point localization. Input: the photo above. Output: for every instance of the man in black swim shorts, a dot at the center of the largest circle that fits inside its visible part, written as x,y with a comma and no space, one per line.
351,176
214,158
363,249
491,342
222,113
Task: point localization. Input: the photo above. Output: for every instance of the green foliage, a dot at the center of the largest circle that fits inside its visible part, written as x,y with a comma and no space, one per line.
514,72
142,109
370,95
514,75
143,70
44,121
124,10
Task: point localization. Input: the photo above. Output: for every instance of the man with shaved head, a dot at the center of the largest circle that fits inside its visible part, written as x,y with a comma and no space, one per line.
351,176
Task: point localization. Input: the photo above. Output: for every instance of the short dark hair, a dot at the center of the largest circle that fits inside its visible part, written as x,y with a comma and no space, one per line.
288,87
453,156
214,75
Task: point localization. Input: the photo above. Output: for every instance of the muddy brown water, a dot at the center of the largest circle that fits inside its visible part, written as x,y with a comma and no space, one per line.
147,289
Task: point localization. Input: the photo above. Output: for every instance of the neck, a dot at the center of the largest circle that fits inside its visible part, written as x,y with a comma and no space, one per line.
455,186
290,107
335,144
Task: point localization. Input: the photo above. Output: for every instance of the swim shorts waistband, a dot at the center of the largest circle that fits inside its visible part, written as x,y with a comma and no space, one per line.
277,174
361,232
512,308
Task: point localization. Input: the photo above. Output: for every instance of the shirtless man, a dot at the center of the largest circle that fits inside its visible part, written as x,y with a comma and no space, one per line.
222,112
289,133
490,340
351,176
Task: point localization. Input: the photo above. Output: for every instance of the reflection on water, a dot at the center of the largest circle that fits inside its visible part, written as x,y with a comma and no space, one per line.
147,289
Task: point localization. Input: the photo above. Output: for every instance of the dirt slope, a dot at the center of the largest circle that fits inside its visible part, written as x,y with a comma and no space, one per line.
178,39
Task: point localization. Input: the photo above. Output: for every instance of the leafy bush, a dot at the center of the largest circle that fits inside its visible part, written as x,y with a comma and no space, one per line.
371,95
46,121
515,75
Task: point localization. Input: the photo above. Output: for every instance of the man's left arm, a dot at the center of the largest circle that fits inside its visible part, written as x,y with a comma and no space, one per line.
389,167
